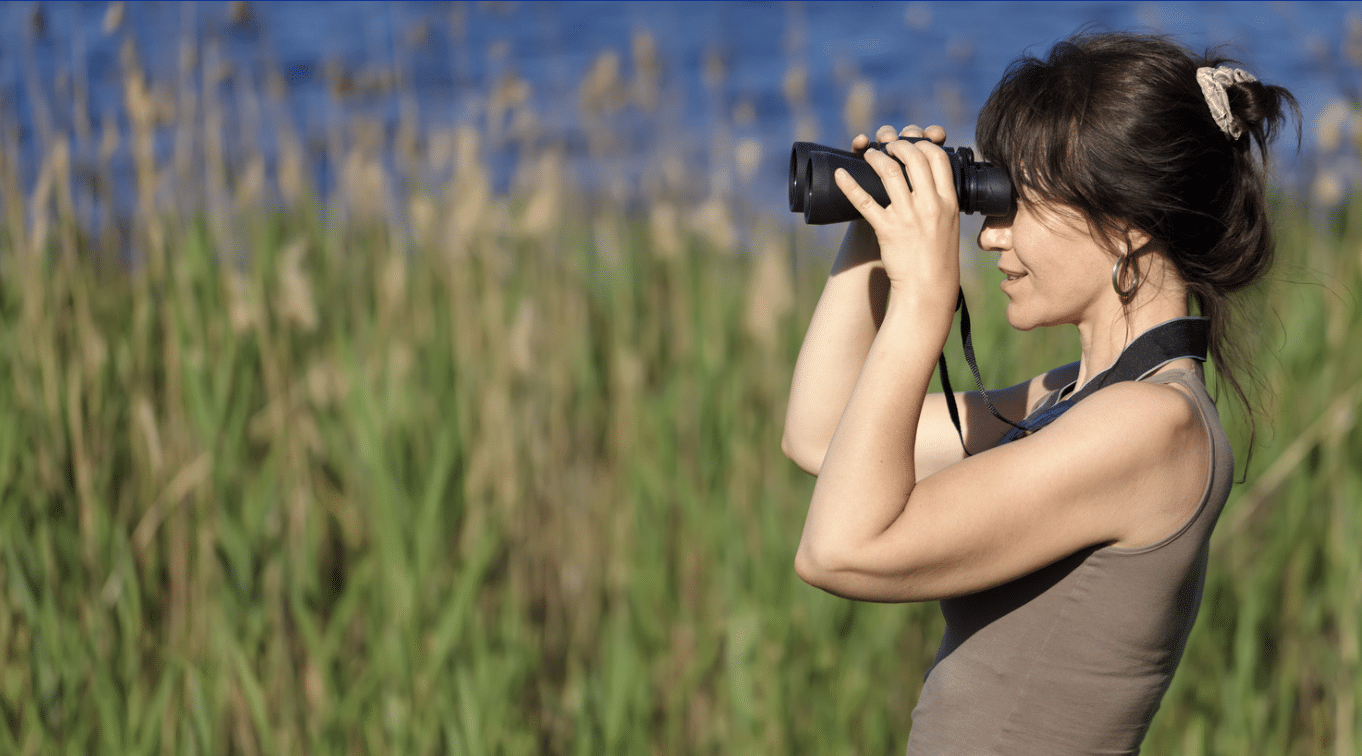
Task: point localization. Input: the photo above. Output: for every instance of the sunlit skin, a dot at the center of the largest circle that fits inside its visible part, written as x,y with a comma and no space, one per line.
898,512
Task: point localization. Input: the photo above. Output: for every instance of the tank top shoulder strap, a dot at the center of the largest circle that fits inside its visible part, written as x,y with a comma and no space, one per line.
1189,379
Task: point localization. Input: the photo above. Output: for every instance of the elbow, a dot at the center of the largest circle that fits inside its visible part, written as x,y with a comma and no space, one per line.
789,448
808,459
813,565
844,571
806,567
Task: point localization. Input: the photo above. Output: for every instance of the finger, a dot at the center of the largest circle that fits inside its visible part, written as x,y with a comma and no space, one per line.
936,134
906,154
939,163
896,186
911,131
925,172
885,134
859,144
859,198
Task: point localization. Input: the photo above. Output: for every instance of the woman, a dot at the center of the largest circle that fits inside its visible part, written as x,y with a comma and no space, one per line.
1069,562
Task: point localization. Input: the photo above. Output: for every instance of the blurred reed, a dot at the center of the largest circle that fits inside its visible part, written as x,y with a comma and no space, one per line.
417,467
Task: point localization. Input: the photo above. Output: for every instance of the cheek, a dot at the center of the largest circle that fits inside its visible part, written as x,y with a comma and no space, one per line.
1035,300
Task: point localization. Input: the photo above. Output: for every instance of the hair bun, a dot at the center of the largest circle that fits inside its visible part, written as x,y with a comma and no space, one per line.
1252,102
1216,85
1257,106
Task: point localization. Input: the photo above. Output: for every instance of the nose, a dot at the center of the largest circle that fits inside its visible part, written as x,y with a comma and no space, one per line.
996,233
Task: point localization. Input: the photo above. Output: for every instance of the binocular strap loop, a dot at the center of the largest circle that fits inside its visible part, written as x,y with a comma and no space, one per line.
968,343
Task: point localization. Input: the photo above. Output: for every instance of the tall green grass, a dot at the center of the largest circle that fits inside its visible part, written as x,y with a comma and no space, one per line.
439,472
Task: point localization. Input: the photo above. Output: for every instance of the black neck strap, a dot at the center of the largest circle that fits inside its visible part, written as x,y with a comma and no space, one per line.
1171,340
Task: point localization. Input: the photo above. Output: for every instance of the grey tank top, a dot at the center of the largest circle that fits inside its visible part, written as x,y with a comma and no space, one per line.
1074,658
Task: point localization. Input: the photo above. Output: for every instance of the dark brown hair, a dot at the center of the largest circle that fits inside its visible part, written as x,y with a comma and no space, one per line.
1116,126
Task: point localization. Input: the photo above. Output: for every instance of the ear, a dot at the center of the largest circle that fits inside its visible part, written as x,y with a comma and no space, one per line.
1136,240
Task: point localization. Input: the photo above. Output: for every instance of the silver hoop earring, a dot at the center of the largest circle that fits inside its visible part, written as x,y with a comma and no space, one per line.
1124,294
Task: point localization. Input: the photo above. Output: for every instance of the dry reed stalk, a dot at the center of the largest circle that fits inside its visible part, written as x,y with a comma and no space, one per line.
510,95
10,184
602,92
469,210
187,149
1335,421
294,301
859,107
138,103
770,297
545,185
647,79
713,221
747,159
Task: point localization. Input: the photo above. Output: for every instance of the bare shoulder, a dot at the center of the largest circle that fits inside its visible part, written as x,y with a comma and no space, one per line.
1146,422
1161,408
1151,436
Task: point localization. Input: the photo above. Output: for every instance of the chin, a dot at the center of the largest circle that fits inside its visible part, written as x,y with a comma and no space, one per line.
1027,319
1019,320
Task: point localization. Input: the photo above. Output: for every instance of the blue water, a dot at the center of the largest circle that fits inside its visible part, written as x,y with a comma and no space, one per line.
928,62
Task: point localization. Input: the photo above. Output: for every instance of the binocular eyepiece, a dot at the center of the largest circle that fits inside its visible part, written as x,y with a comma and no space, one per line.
980,187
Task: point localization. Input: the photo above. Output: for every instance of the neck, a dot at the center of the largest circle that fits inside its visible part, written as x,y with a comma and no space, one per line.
1111,330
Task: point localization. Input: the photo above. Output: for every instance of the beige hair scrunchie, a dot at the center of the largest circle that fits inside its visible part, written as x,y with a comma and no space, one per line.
1213,82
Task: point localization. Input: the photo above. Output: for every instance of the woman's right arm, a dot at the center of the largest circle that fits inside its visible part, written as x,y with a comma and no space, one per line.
835,346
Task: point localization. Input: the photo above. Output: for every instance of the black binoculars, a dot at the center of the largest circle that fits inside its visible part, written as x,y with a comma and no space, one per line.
980,187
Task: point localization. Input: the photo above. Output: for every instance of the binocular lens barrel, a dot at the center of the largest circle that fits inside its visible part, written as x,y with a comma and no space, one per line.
980,187
799,169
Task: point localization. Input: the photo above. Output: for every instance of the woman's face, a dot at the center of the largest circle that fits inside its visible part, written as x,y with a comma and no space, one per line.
1055,271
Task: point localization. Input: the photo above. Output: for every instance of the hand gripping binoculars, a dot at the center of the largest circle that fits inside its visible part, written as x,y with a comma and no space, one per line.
980,187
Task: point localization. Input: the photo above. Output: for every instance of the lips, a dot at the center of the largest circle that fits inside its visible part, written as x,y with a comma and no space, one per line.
1011,276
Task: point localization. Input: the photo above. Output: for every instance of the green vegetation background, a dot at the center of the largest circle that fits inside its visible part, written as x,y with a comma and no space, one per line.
420,469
